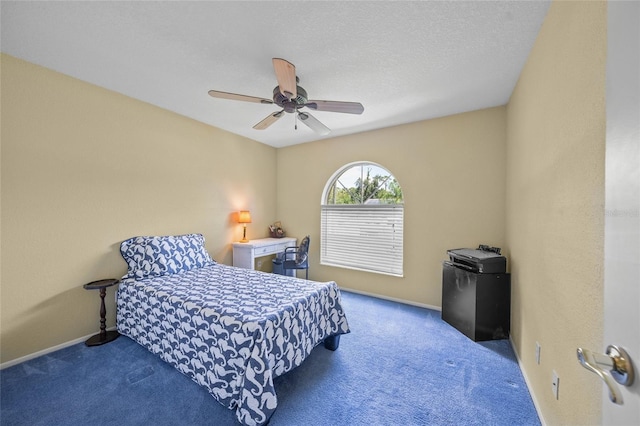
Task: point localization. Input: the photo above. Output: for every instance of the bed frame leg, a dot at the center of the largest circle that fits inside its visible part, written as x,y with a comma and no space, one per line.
332,342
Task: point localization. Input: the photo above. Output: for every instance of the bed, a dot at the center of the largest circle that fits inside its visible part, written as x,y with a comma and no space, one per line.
231,330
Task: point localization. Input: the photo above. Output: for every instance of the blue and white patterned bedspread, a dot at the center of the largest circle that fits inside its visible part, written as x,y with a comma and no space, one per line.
231,330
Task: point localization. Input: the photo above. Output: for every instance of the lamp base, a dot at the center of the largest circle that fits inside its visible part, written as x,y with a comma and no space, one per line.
244,234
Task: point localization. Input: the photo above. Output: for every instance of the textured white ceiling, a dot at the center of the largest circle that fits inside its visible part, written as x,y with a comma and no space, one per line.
404,61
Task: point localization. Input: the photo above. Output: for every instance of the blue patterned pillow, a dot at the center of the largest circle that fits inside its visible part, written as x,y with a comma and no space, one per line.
153,256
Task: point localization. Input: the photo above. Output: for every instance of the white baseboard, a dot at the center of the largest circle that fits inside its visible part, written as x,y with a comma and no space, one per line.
47,351
528,383
393,299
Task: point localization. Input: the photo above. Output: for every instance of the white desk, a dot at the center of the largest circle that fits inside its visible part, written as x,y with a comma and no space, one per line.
244,254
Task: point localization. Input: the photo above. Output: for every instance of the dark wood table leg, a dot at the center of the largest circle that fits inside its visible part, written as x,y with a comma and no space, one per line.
104,336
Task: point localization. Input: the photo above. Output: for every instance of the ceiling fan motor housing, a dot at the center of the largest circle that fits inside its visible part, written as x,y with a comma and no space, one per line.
290,105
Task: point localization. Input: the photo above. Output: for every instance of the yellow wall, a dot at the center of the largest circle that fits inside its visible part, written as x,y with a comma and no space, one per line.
84,168
555,207
452,173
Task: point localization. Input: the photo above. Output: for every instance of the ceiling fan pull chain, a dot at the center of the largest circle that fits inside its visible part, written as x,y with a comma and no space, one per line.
295,122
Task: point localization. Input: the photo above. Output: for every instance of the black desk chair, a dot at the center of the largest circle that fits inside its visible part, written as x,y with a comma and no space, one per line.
297,257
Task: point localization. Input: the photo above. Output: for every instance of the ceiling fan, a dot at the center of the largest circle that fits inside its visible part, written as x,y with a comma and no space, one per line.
292,98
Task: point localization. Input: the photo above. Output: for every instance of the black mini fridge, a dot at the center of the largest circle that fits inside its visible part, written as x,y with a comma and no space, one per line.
476,294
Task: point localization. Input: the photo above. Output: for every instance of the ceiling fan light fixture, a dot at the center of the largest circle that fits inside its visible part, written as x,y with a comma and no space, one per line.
290,104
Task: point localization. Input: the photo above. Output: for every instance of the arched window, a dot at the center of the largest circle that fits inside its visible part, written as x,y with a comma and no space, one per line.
362,217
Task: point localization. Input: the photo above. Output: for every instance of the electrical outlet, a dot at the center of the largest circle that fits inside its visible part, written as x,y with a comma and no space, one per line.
555,384
259,262
537,353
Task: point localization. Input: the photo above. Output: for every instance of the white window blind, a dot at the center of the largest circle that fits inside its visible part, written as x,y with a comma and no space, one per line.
365,237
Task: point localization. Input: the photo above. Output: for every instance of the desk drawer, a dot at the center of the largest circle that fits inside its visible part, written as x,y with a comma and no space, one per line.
263,251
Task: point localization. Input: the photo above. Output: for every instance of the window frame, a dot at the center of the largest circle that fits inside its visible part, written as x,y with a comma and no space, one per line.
387,257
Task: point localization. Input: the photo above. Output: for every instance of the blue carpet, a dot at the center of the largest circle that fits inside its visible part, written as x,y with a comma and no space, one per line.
400,365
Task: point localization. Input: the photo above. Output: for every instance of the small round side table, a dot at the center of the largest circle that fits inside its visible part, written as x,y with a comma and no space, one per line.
104,336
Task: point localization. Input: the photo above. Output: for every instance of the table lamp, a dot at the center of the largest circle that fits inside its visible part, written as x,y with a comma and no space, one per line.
244,217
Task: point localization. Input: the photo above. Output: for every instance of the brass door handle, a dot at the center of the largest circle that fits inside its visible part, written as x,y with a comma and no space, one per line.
614,365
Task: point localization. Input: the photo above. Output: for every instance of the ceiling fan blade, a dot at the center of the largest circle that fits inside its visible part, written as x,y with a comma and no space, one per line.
236,97
286,75
269,120
313,123
336,106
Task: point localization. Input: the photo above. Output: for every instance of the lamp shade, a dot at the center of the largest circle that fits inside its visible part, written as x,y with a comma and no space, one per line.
244,216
